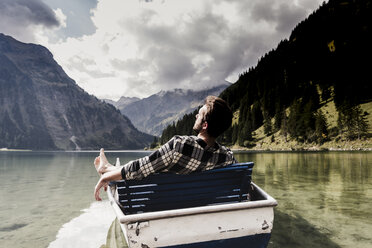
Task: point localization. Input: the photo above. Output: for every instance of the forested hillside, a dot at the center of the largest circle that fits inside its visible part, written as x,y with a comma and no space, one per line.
319,75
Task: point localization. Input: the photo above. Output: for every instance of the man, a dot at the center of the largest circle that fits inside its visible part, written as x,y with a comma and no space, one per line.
181,154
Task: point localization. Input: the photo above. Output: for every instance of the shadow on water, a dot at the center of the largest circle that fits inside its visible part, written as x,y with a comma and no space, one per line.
12,227
295,231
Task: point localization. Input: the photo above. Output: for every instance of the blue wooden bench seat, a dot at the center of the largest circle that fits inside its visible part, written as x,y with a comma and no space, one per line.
167,191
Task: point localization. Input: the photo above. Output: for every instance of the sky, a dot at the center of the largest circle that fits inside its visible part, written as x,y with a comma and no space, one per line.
136,48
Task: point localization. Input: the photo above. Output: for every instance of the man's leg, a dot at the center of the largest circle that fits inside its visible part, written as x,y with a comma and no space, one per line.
101,163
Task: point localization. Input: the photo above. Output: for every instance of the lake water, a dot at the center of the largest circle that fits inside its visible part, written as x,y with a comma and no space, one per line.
325,198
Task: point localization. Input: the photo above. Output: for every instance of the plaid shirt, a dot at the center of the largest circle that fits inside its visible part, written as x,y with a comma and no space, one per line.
180,155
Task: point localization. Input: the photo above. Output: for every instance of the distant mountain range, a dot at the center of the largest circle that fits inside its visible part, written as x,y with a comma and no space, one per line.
41,108
154,113
123,101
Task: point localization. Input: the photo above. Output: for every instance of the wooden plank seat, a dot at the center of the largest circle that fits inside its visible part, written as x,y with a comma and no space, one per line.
165,191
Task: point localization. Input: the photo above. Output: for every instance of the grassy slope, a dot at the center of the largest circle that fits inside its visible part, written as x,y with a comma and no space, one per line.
279,143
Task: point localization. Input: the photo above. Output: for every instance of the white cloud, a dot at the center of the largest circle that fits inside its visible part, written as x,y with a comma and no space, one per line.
61,17
142,47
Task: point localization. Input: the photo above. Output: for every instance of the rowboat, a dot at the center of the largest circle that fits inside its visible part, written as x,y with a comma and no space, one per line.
214,208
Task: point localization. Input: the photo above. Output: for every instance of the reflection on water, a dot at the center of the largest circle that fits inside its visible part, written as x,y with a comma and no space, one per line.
324,198
295,231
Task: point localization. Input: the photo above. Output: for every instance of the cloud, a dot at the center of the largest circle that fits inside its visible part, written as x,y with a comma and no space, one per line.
141,47
60,17
22,18
281,14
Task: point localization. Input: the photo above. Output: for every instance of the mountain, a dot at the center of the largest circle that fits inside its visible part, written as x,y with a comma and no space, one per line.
314,88
42,108
122,102
155,112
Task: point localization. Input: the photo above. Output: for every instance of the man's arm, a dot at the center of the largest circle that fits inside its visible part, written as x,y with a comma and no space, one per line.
158,161
113,175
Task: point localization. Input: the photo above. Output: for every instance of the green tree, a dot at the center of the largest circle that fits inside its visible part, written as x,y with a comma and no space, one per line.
293,120
284,125
352,122
257,118
154,143
235,134
321,127
267,124
245,134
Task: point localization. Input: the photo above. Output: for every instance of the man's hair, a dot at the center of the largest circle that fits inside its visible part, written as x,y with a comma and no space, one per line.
218,116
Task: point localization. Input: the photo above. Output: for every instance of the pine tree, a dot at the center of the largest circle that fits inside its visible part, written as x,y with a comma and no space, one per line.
284,125
235,134
267,124
245,134
154,143
294,116
257,117
352,122
278,120
307,121
321,127
361,124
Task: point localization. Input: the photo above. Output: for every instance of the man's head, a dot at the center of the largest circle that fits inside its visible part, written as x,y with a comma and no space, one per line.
215,117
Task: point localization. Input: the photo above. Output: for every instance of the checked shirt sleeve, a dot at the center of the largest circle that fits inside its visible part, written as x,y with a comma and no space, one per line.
158,161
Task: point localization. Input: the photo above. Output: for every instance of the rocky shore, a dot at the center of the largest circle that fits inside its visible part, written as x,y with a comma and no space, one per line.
279,144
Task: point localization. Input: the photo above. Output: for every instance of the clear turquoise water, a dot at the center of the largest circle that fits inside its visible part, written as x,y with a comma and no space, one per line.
324,198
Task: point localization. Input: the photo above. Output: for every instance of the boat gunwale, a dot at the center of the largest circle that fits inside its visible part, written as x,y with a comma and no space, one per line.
133,218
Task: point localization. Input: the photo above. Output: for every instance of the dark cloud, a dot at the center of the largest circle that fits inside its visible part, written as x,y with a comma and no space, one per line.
18,17
169,51
28,12
172,65
284,15
288,17
206,33
78,17
263,12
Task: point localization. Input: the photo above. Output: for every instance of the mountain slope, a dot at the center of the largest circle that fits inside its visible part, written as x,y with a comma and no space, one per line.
324,59
42,108
153,113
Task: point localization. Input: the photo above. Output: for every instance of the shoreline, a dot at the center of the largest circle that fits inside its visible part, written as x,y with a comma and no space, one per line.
295,147
302,150
262,146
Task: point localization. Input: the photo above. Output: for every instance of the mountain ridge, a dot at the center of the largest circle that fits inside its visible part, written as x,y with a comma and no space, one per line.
153,113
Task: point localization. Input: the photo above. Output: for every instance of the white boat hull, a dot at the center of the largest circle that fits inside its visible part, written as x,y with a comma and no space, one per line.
244,224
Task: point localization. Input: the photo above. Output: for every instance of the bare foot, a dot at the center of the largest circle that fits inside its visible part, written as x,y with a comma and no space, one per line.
97,164
101,163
